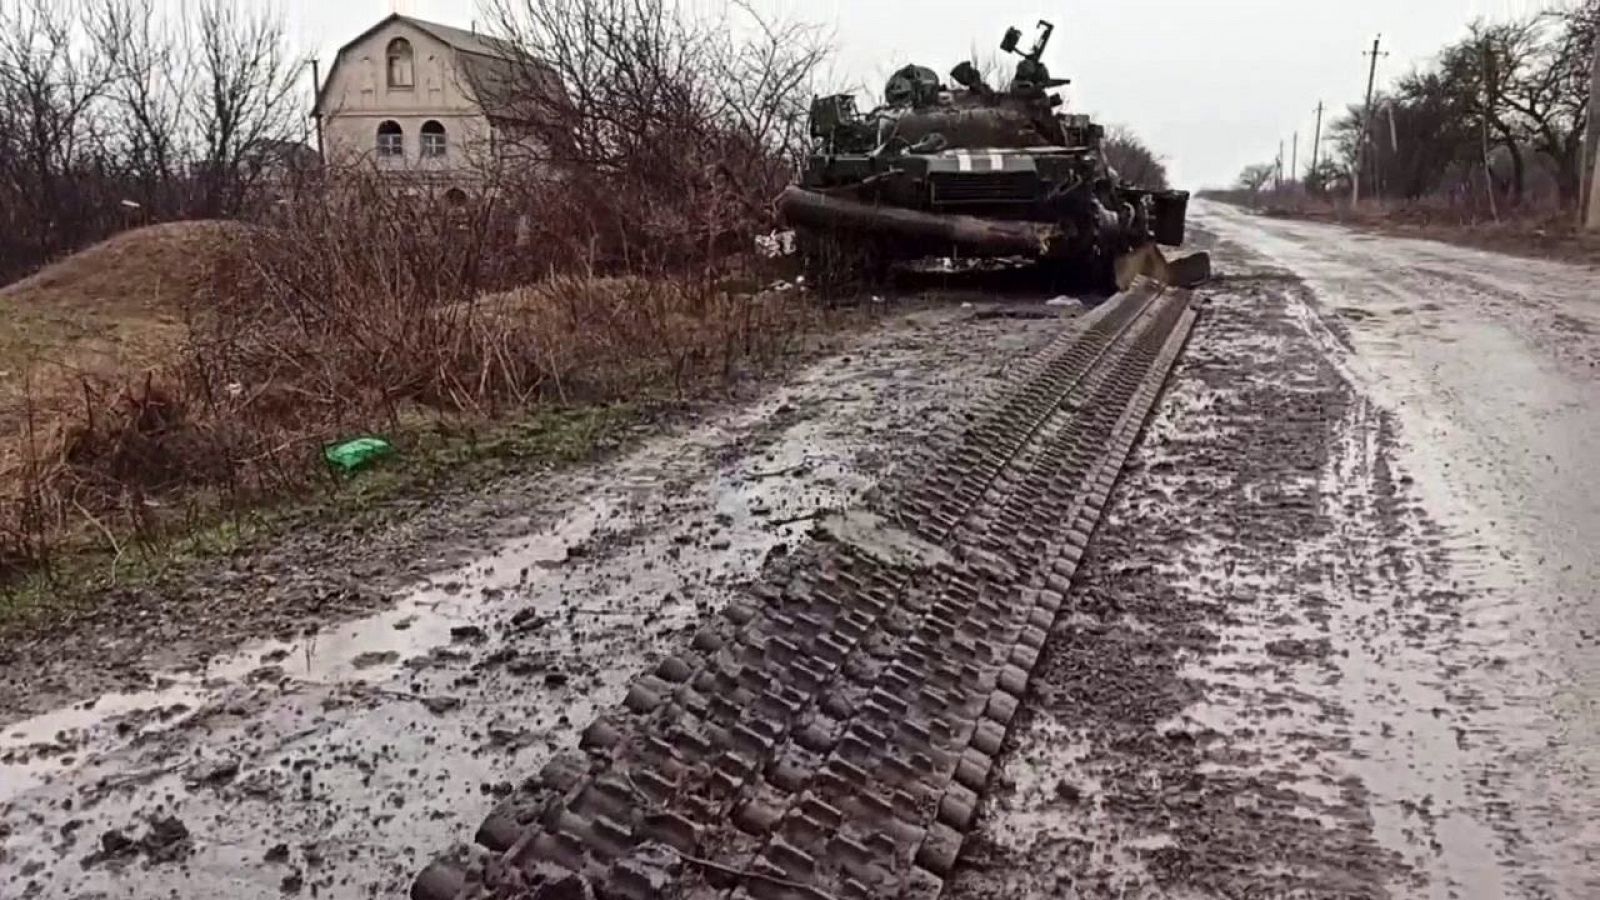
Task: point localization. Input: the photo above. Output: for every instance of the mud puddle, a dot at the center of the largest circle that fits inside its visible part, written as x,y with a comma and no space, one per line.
337,760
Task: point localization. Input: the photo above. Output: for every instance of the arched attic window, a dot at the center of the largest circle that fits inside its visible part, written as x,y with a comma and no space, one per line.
402,67
391,140
434,141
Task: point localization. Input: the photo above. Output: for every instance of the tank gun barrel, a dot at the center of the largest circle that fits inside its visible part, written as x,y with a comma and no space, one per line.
935,231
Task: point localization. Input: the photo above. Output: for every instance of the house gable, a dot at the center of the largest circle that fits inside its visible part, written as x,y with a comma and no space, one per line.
361,81
393,109
463,57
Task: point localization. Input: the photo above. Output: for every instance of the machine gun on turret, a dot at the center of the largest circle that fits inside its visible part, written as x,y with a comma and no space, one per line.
1032,74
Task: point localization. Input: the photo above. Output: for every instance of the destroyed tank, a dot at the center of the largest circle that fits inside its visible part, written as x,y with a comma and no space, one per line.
969,171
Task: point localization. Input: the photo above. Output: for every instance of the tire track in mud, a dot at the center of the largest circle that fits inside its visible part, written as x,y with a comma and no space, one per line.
1170,747
828,738
1280,675
1302,658
1469,645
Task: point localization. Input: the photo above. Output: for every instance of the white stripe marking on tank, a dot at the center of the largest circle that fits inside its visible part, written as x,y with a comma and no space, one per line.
964,161
997,162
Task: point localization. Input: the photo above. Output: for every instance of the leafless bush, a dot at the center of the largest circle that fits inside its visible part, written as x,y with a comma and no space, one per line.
1134,160
374,300
358,309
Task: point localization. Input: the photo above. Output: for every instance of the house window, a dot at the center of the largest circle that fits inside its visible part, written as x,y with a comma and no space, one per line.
434,141
402,71
391,140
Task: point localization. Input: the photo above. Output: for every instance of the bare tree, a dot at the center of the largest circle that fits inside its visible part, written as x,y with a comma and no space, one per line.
108,101
150,89
50,80
247,78
1255,177
1134,160
1479,73
1551,93
646,132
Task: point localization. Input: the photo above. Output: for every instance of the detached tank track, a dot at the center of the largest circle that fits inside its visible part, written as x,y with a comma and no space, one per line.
830,735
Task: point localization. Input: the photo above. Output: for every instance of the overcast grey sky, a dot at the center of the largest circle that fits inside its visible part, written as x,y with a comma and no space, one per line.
1210,84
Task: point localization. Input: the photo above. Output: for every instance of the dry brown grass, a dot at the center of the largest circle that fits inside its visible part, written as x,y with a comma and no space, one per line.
103,313
150,271
86,342
356,315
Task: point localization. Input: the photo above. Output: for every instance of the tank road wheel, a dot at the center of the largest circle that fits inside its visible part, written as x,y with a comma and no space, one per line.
839,267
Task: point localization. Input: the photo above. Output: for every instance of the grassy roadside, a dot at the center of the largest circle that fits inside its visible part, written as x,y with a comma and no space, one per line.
121,458
171,390
1530,234
434,461
1537,237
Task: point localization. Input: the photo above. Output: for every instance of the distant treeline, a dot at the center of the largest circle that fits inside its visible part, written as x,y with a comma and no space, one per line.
1505,106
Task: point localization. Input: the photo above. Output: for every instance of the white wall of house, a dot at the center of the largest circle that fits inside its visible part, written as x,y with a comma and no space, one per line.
367,88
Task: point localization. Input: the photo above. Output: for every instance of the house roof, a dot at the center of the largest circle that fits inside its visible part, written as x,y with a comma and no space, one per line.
459,38
294,154
490,50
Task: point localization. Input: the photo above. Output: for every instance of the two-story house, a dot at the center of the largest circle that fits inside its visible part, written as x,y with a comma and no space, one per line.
412,96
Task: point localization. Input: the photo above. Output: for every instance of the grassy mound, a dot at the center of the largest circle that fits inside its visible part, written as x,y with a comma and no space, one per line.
116,308
148,271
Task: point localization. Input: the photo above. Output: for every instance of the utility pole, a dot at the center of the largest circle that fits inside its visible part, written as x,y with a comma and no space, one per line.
1366,121
1294,159
1316,144
1591,166
1280,164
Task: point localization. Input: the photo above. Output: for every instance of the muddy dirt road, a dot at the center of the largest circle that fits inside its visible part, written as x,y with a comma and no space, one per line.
1336,635
339,755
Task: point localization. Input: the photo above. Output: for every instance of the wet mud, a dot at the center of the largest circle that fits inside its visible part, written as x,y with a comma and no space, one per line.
1484,367
334,760
1335,636
1182,739
1329,639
